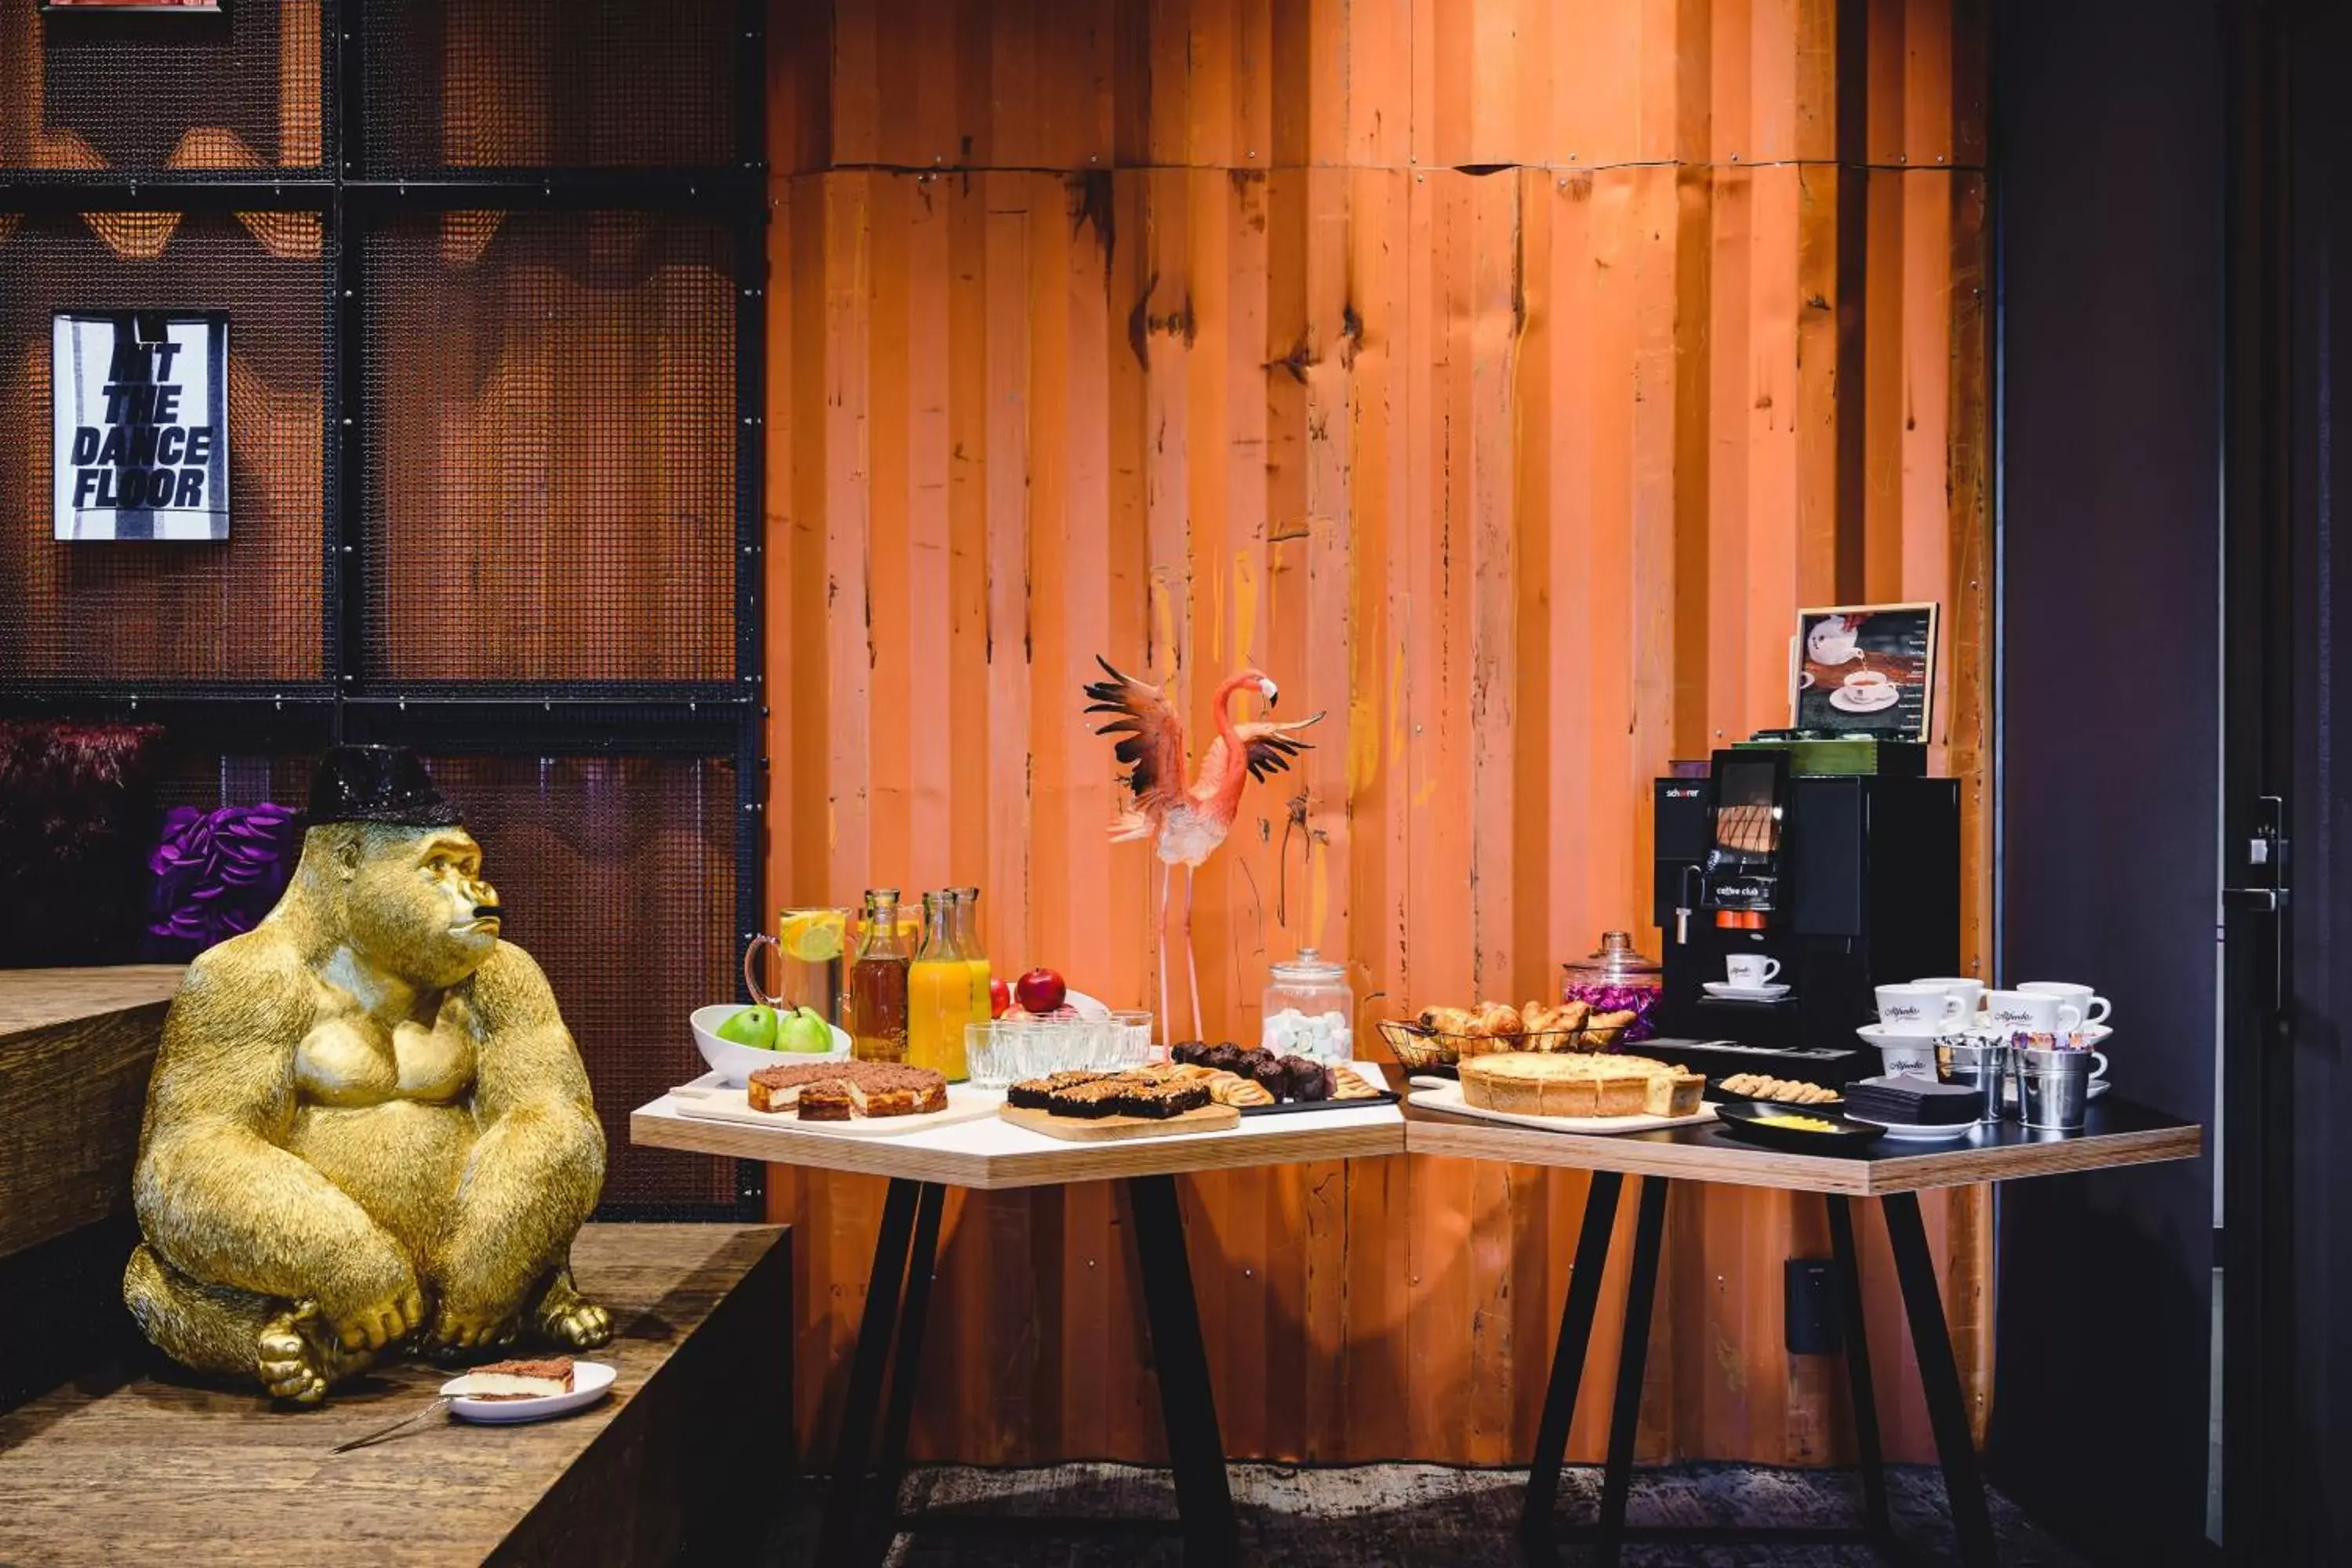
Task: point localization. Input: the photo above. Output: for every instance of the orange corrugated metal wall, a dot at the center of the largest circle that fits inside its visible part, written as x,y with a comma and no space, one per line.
1500,376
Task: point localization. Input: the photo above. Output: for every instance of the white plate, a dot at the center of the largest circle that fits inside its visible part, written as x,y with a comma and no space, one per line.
1728,992
1903,1134
1846,699
590,1381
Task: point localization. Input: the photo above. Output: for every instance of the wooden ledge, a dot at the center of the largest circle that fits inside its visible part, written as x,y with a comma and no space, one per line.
75,1047
151,1470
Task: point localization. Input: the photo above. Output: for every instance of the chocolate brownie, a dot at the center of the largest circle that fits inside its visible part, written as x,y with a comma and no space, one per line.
1037,1093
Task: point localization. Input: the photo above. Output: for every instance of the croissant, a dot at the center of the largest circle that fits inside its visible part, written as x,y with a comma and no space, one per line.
1496,1019
1446,1020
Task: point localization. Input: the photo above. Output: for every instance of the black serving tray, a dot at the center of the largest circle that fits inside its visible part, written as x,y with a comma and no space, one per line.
1284,1107
1740,1118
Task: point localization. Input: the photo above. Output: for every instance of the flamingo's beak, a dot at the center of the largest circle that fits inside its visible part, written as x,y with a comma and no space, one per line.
1273,695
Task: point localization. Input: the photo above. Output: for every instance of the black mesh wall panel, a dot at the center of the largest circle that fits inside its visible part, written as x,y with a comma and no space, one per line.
617,874
107,614
553,407
241,89
456,84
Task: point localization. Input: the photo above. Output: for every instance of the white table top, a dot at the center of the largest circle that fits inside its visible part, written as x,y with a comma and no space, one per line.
988,1153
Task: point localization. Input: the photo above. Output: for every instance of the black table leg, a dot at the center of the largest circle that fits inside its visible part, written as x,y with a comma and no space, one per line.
907,1357
1568,1355
1187,1405
883,1287
1940,1377
1625,1415
1857,1368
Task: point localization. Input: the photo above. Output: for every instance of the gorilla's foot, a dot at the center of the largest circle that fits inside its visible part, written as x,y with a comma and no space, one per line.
569,1319
296,1364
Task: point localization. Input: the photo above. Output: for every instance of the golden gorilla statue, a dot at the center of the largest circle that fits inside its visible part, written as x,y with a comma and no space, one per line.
368,1128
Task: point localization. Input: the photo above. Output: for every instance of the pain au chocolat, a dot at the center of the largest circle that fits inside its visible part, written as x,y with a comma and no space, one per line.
837,1092
1530,1083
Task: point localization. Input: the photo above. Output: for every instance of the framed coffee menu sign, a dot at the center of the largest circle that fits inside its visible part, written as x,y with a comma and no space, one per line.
1866,669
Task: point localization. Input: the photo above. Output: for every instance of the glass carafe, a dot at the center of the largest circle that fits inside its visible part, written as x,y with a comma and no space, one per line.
1616,977
875,1012
967,933
1309,1010
938,993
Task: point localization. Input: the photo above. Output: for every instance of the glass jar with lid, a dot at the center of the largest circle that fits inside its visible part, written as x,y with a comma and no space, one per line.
1311,1009
1616,977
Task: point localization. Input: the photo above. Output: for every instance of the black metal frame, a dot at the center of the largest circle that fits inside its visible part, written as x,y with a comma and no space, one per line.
861,1512
1539,1526
722,718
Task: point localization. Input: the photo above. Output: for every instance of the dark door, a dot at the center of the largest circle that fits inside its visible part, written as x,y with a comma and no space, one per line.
2109,136
2287,1205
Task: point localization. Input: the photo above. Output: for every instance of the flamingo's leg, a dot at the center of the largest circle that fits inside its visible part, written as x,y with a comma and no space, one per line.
1192,963
1167,1024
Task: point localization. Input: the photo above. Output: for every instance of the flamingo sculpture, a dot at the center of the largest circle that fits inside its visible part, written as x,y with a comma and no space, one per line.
1188,821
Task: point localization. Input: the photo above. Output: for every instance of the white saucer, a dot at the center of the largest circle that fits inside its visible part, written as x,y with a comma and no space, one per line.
1725,991
1907,1134
590,1381
1846,699
2094,1034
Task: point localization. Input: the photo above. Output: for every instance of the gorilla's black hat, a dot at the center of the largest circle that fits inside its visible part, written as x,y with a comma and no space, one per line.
376,783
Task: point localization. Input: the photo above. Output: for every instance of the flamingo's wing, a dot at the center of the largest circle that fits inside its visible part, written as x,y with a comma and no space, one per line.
1152,737
1269,747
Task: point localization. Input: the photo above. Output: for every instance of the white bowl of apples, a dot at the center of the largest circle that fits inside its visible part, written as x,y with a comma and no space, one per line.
752,1041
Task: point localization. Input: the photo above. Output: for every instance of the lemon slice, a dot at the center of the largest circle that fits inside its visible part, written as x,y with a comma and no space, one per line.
814,937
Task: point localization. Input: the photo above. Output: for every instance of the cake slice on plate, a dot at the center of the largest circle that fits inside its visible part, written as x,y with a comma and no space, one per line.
513,1380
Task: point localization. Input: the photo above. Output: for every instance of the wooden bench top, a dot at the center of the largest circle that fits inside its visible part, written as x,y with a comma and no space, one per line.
150,1470
75,1047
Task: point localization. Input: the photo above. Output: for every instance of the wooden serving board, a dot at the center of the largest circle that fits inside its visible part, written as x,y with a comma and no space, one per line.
708,1103
1445,1095
1111,1129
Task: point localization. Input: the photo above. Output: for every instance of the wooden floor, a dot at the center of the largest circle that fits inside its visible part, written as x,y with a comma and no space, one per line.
173,1472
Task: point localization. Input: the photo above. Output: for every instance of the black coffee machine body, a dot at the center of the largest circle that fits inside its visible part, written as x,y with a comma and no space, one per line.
1849,882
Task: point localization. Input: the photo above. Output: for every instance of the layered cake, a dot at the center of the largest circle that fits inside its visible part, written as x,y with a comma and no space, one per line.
1529,1083
514,1380
837,1092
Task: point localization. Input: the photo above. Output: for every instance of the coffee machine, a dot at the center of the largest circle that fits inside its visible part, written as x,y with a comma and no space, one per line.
1849,882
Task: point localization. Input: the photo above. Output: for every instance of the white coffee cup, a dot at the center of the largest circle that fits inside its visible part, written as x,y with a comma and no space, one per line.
1915,1009
2031,1012
1913,1057
1867,681
1750,971
1969,991
2094,1008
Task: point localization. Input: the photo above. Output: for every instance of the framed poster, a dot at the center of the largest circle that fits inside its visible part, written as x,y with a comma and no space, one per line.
1866,669
140,418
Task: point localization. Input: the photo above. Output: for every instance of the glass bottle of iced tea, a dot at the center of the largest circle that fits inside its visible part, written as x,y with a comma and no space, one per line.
938,993
875,1011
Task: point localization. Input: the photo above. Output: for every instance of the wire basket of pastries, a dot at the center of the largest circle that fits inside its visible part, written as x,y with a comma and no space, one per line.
1443,1036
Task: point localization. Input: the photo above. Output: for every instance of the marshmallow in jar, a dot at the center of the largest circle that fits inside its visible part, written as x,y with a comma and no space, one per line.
1310,1009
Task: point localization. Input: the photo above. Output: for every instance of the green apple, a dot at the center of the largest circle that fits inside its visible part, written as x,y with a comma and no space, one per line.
804,1031
754,1026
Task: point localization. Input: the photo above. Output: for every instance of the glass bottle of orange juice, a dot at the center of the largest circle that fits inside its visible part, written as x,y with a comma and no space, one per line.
938,993
967,931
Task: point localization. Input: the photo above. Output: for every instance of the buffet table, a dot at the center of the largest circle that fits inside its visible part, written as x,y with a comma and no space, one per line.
991,1154
2118,1132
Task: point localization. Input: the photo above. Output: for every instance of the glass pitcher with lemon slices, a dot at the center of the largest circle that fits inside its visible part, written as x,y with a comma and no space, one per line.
809,945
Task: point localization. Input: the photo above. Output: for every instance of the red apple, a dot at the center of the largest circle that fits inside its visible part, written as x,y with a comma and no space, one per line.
1040,991
1000,998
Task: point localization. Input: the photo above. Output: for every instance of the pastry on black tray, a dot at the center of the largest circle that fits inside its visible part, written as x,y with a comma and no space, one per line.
1224,1056
1188,1052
